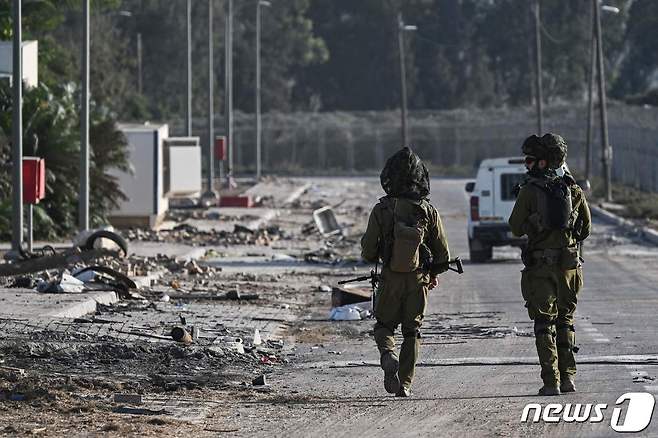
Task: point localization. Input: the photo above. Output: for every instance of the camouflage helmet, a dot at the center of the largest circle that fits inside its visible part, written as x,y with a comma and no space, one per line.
550,147
405,176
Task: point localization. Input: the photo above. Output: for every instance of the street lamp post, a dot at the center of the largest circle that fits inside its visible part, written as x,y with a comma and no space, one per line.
538,69
402,28
258,89
17,131
210,194
188,65
228,89
84,124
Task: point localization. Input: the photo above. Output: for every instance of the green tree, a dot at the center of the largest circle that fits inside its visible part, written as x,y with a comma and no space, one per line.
51,131
639,69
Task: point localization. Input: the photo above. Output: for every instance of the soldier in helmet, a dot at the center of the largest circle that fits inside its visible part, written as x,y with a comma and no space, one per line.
552,211
405,233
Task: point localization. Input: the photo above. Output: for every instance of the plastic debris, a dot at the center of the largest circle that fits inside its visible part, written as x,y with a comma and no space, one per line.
65,284
350,312
257,338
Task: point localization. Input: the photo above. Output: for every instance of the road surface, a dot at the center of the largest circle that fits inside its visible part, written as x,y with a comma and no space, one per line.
478,366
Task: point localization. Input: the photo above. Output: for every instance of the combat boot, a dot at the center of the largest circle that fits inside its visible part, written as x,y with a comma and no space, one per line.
390,364
568,385
403,392
549,390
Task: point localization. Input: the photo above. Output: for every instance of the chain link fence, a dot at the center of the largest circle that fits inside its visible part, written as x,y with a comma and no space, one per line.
452,142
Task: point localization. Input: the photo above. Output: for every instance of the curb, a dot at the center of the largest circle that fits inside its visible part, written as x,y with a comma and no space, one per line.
646,233
86,307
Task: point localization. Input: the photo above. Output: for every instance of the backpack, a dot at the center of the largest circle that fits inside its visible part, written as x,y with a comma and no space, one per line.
405,242
554,204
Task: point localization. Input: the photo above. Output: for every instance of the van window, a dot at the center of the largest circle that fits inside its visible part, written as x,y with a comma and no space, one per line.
508,181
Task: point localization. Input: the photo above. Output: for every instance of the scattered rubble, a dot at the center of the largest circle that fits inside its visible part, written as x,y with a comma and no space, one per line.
191,235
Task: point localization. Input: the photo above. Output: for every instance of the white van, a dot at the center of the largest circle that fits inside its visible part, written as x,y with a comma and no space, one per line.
491,202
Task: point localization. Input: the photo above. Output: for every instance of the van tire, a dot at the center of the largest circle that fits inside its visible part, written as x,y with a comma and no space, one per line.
479,251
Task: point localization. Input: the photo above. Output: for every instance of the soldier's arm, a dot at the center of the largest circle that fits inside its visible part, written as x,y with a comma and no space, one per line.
370,239
518,220
585,219
438,244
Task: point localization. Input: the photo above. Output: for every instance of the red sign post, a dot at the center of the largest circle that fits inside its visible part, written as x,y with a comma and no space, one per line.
220,148
34,179
34,190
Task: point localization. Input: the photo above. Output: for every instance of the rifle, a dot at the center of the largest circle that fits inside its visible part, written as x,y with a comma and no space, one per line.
374,276
374,281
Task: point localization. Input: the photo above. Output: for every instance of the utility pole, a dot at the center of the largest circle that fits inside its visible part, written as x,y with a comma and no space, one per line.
84,124
17,131
228,88
538,69
605,145
259,128
402,28
590,97
188,65
210,174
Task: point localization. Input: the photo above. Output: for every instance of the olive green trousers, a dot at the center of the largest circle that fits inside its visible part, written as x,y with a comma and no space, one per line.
551,295
401,300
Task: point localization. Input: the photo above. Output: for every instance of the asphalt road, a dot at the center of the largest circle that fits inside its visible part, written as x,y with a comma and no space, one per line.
478,366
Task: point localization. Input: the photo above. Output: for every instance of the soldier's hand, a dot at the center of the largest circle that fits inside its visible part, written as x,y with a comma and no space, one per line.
434,282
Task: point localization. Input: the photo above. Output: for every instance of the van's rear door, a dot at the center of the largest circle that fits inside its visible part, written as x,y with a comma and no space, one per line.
485,184
505,180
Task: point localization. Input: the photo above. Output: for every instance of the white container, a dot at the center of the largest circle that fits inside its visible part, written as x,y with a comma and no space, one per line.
30,53
183,166
145,187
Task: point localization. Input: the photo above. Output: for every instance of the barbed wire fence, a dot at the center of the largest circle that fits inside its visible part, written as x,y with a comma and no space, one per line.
452,142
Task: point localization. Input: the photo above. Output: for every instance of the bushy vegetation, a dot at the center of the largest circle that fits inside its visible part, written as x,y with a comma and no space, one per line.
51,130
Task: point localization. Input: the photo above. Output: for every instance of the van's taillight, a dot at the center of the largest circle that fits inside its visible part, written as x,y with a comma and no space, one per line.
475,208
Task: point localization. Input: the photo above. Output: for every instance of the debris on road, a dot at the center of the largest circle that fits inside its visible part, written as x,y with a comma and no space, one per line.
65,283
351,312
192,235
341,296
259,381
325,221
179,334
133,399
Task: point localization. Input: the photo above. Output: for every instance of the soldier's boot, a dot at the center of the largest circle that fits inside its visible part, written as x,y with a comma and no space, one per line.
566,347
547,353
390,365
408,357
403,392
388,360
549,391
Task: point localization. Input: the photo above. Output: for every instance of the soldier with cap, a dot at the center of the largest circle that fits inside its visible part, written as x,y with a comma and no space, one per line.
552,211
405,233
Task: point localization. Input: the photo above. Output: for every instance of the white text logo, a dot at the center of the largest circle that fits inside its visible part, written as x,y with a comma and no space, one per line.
638,412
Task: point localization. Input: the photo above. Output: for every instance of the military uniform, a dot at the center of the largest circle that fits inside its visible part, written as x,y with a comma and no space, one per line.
402,296
553,275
